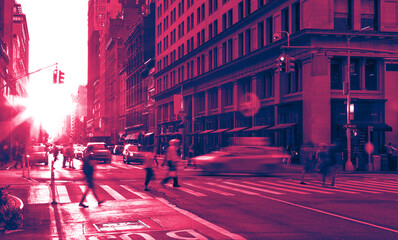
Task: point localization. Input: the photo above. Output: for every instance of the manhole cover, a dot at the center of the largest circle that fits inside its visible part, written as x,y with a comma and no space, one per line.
120,226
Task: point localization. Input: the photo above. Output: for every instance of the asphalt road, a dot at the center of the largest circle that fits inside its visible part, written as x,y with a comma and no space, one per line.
361,206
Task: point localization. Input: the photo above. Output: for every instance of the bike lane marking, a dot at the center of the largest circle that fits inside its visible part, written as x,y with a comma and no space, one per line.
331,214
203,222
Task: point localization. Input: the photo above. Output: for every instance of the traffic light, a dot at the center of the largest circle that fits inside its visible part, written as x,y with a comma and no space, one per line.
55,76
290,64
61,77
281,63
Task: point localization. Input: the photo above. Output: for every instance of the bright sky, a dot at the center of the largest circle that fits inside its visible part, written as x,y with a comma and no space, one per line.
58,34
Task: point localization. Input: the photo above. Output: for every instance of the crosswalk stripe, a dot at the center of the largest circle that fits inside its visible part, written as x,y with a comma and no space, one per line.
39,194
361,185
112,192
281,189
356,188
389,183
335,189
89,197
63,194
198,194
254,188
210,189
139,194
378,184
137,167
301,187
231,188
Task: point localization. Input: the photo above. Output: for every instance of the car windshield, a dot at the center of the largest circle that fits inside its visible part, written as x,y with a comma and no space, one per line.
98,146
132,148
38,149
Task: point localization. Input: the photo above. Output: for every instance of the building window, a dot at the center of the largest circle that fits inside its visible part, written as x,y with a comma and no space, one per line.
294,79
210,7
269,30
215,24
198,66
247,7
260,3
369,16
203,36
265,85
210,31
371,74
240,11
296,17
355,83
230,50
336,73
240,45
215,54
227,95
203,11
215,4
260,34
342,14
224,21
201,102
244,88
247,41
213,98
285,21
224,52
210,60
230,18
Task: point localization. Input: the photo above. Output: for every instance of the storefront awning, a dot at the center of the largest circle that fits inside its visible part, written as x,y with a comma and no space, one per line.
281,126
383,127
256,128
220,130
206,131
234,130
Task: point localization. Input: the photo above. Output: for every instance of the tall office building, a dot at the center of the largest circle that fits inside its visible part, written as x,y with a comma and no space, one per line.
221,55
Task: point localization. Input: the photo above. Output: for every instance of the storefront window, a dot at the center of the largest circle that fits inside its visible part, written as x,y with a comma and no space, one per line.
336,74
371,74
354,74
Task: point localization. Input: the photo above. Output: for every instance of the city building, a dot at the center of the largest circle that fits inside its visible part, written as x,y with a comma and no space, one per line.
79,114
221,56
14,68
140,50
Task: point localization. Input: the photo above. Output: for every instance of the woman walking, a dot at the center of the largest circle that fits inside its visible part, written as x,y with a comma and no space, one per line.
172,160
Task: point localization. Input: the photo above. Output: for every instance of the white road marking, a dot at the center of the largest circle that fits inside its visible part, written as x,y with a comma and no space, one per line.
355,188
332,214
254,188
63,194
140,194
281,189
361,185
387,183
331,189
39,194
210,225
378,185
210,189
301,187
89,197
198,194
112,192
231,188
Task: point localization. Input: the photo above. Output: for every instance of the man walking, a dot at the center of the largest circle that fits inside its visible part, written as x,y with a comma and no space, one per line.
88,170
172,159
148,163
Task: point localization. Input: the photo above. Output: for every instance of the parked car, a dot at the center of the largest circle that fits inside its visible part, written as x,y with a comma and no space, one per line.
78,150
242,159
38,154
134,153
99,151
118,149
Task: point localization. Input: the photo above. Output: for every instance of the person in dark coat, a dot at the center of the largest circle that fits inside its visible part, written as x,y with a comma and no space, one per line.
88,170
172,159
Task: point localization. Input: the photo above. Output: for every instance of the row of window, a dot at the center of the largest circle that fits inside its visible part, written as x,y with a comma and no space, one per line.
245,39
344,15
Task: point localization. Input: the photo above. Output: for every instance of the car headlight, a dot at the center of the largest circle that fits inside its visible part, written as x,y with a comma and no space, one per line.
131,154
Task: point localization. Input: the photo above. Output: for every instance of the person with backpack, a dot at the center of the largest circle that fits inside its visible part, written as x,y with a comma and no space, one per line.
88,170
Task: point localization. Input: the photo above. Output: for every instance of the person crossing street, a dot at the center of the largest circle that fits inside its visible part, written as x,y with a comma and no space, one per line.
172,159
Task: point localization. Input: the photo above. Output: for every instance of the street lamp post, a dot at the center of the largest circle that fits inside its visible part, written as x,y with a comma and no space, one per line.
349,166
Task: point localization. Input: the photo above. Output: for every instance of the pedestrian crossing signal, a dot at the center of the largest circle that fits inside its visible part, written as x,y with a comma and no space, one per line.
61,77
55,76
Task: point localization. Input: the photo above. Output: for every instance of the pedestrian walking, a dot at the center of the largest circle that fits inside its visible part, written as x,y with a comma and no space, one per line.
88,170
68,156
148,164
307,154
323,161
336,161
172,159
55,153
390,150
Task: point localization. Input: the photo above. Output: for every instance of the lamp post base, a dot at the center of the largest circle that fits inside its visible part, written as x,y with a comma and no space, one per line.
349,167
